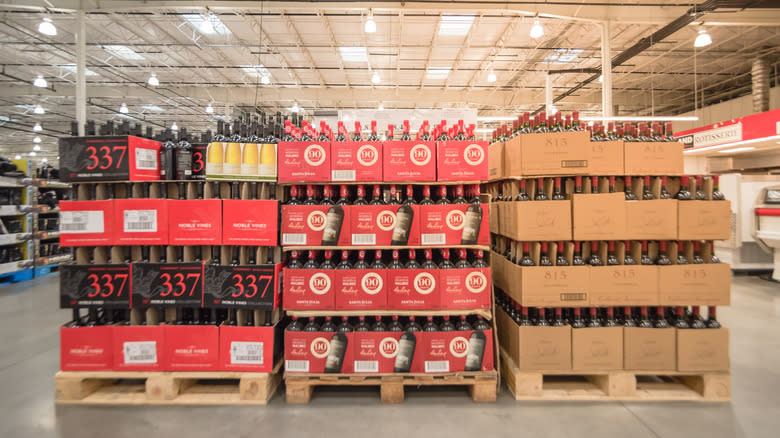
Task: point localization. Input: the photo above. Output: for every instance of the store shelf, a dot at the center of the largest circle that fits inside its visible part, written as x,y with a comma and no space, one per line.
383,183
6,181
43,209
41,235
52,260
11,239
19,265
13,210
485,313
356,248
53,184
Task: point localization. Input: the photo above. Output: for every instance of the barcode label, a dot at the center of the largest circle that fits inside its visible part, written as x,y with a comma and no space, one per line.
76,222
293,239
296,366
145,159
437,366
366,366
140,352
364,239
250,353
140,221
433,239
342,175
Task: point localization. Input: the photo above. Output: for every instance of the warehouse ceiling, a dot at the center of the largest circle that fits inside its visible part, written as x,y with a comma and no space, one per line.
316,55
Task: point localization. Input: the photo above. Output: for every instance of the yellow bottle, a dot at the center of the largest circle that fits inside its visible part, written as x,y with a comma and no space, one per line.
249,159
267,167
214,159
232,165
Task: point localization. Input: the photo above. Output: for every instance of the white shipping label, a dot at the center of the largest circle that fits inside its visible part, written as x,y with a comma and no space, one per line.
342,175
248,353
145,159
432,239
140,221
75,222
437,366
296,366
293,239
366,366
140,352
364,239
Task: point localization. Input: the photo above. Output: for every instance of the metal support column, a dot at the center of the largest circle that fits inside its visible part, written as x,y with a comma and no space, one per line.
548,93
606,70
81,77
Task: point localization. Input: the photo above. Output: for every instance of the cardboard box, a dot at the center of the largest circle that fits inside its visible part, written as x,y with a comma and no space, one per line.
446,352
651,349
138,348
87,223
704,220
199,161
195,222
498,276
606,158
548,286
452,224
624,285
304,161
653,158
538,220
543,348
358,289
308,352
356,161
247,161
704,284
703,350
241,287
313,225
409,289
496,161
375,352
599,216
549,154
115,158
493,210
247,348
379,225
86,348
250,222
309,289
191,347
166,284
465,288
597,348
141,222
105,286
652,220
461,160
409,160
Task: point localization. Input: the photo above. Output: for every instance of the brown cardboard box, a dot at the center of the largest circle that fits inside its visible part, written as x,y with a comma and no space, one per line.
624,285
555,153
538,220
704,285
651,349
606,158
652,220
496,160
597,349
653,158
703,350
507,333
704,220
497,270
543,348
494,215
599,216
548,286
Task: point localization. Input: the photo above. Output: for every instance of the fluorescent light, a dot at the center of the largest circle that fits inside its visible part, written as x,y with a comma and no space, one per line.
591,123
39,110
491,76
601,79
265,80
209,109
735,150
17,157
72,68
381,107
437,73
255,70
122,52
174,127
46,27
295,108
32,154
353,54
537,31
370,26
44,160
495,118
728,145
208,24
123,109
375,79
36,148
643,119
36,139
483,131
40,82
37,127
153,81
703,39
154,108
562,56
455,25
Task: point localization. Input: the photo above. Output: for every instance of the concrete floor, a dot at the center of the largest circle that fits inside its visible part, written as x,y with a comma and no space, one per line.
29,321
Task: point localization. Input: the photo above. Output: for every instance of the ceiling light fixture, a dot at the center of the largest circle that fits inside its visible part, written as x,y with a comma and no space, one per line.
44,160
36,139
40,82
174,127
46,27
209,109
32,154
381,107
17,157
123,109
295,108
153,81
39,110
265,80
735,150
491,76
36,148
370,26
703,39
537,31
375,79
37,127
601,79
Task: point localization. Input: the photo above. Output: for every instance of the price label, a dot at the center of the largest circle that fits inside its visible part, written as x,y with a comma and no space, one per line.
106,286
241,287
167,284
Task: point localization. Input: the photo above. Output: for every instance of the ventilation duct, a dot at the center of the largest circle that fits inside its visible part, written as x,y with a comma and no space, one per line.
760,77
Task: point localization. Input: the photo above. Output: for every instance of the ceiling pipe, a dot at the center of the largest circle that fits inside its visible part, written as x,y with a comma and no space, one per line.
760,80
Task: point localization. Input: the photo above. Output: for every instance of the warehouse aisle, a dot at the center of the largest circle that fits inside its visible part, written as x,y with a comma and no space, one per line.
29,358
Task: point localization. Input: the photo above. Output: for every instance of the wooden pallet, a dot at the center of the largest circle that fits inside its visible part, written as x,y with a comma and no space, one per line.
482,385
167,388
615,385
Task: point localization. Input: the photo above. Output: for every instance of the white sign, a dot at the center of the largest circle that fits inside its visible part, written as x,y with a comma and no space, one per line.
725,134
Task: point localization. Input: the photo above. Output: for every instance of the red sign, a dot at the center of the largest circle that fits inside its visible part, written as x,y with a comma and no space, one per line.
754,126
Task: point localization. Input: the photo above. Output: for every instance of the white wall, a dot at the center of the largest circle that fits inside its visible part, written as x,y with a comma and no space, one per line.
739,107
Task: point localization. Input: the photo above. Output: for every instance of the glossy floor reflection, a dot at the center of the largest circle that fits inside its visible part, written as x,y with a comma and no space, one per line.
29,321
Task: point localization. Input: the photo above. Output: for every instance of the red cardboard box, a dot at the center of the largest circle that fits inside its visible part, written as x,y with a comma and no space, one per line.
86,348
376,352
447,352
141,221
358,289
114,158
138,347
309,289
246,348
86,223
304,161
465,288
450,225
409,161
308,352
191,347
413,289
462,161
356,161
250,222
195,222
307,225
378,224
